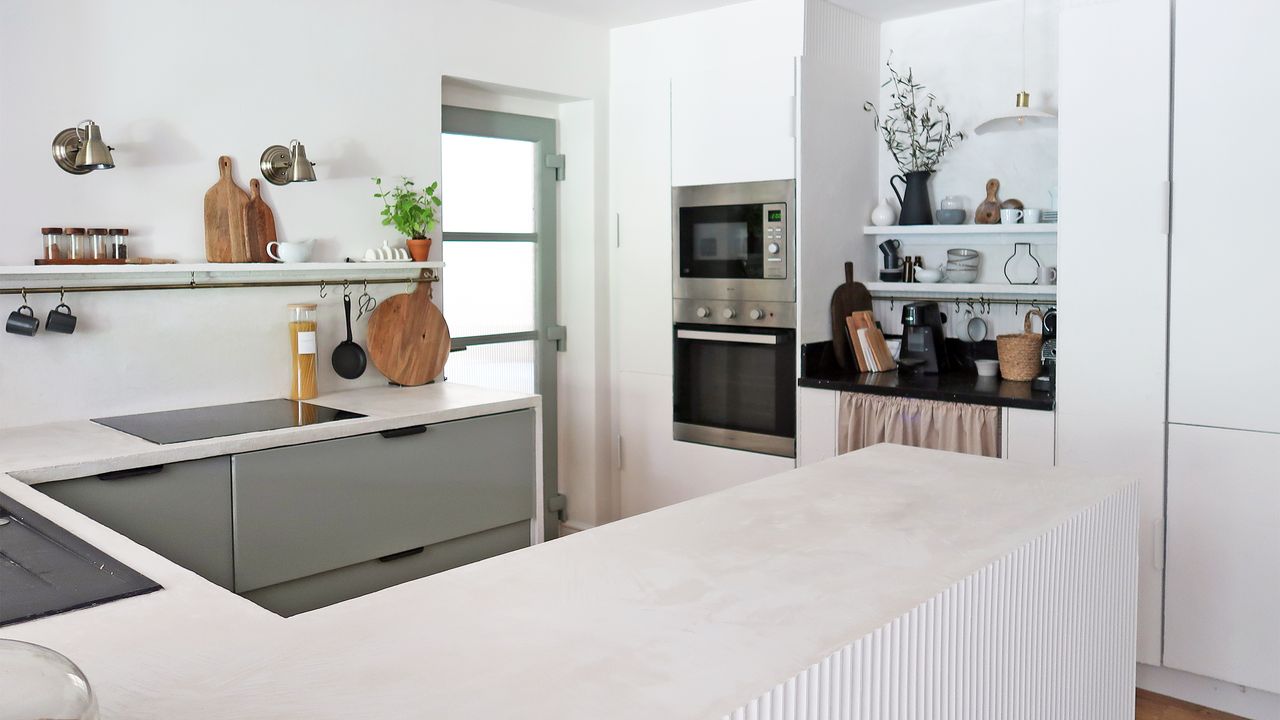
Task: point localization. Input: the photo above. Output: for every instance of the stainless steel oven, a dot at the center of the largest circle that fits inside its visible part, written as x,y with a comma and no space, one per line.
734,241
735,375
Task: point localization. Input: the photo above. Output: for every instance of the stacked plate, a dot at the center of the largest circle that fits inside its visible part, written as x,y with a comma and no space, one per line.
963,265
1049,216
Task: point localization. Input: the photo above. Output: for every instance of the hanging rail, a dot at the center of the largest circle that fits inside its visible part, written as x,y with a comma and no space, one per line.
426,275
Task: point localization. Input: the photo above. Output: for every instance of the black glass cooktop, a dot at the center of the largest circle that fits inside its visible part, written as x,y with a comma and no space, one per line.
175,426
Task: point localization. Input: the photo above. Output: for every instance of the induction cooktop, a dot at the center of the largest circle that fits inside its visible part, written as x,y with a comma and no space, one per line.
175,426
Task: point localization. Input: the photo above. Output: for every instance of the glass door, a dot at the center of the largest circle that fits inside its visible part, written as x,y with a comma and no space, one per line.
499,222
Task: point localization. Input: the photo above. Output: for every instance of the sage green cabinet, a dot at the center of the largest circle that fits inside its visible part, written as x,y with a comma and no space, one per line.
309,509
181,511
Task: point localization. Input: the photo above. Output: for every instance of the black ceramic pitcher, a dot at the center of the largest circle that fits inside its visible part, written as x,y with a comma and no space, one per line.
914,198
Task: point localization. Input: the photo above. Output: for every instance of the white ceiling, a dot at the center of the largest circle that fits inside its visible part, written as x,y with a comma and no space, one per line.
615,13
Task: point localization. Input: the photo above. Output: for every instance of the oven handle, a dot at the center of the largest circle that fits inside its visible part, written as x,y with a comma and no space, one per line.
745,338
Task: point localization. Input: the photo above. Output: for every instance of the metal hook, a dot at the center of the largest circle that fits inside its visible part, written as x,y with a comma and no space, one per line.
346,287
192,283
62,295
323,290
892,303
24,296
957,306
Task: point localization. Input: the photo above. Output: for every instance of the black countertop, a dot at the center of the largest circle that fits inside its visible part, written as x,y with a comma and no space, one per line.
960,385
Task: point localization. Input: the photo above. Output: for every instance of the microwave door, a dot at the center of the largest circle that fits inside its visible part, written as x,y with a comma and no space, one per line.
723,242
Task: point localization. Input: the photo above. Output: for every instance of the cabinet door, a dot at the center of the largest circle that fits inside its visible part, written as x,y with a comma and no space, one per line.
1224,237
1112,255
1029,436
1222,592
181,510
734,123
307,509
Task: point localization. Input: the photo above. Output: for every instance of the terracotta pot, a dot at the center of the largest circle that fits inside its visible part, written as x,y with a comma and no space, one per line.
419,248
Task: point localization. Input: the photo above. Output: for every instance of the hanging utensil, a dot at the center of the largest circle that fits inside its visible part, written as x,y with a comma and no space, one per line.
349,359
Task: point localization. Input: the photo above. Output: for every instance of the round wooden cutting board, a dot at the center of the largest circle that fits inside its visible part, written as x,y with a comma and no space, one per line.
408,338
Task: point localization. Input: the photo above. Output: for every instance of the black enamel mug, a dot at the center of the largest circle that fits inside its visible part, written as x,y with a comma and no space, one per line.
23,321
61,320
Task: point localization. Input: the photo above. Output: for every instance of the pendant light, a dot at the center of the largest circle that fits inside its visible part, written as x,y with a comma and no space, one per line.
1022,116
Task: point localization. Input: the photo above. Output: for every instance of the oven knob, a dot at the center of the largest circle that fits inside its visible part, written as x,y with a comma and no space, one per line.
729,313
757,314
703,312
774,248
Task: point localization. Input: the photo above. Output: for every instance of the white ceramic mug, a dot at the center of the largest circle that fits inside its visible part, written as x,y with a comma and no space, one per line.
1009,216
1031,215
1047,275
293,251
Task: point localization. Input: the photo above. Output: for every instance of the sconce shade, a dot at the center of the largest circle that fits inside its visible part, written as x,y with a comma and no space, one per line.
94,153
301,169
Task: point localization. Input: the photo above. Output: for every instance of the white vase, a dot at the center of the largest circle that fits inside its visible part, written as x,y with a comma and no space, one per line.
883,214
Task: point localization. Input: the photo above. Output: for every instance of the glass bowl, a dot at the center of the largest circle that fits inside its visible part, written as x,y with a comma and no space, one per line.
37,683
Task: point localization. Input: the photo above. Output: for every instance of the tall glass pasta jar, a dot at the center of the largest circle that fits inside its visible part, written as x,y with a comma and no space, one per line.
302,341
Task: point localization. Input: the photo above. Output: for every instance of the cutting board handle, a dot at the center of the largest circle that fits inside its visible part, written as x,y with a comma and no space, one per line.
224,166
848,272
255,189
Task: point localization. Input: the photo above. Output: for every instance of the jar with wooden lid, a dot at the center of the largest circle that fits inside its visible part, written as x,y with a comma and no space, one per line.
302,343
119,243
77,244
53,243
99,244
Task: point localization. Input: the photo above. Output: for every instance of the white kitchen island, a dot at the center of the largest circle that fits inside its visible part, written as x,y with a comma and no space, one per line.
889,583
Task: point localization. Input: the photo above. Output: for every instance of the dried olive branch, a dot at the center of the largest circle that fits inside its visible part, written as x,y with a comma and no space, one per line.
917,134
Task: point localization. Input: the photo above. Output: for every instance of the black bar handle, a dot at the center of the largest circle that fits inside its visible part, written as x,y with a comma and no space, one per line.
404,431
134,472
402,554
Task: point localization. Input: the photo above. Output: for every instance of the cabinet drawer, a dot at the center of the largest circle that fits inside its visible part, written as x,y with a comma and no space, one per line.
181,510
307,509
317,591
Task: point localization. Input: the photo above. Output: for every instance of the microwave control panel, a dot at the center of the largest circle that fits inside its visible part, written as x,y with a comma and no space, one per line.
775,240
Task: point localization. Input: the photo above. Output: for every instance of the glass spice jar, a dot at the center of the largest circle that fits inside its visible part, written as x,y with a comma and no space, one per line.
302,343
53,242
119,243
77,244
99,244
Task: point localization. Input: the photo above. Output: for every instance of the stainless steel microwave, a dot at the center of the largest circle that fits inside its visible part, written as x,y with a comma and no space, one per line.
734,242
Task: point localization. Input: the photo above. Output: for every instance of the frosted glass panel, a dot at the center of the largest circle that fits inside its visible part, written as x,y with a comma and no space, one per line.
503,366
487,184
488,287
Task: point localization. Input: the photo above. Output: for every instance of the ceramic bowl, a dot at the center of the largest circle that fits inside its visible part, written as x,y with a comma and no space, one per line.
926,275
951,217
987,368
962,276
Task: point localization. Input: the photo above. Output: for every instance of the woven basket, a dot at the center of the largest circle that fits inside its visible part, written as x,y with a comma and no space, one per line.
1020,353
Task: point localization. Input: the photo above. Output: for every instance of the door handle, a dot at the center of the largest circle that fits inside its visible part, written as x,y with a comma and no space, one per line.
402,554
133,472
404,431
743,338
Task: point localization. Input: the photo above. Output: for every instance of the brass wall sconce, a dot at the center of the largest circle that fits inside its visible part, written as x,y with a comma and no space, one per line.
283,165
80,149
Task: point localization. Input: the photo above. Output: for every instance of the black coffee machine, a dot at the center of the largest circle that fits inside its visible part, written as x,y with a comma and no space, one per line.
1047,380
922,337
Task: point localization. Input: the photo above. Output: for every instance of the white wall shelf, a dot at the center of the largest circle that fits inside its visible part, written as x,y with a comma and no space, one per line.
38,278
1039,233
964,290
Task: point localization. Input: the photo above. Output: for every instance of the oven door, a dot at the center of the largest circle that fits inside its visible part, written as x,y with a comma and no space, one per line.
736,387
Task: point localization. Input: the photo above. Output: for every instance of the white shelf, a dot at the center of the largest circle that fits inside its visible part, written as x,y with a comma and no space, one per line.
987,290
1039,233
53,275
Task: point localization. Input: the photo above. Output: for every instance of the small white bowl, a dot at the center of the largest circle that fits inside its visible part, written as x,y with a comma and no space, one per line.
987,368
926,275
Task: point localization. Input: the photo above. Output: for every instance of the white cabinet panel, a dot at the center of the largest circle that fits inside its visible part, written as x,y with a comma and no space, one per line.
1112,255
734,123
1028,436
816,430
1222,591
1223,210
658,471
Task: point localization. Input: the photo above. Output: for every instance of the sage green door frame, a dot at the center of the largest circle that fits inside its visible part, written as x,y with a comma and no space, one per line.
549,336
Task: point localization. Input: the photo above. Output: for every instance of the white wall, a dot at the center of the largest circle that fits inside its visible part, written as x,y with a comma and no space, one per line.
175,85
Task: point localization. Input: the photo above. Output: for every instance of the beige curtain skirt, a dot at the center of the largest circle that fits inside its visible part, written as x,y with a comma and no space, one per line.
867,420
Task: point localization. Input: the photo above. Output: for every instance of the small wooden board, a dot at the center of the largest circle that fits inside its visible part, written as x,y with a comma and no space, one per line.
988,212
100,261
259,224
850,297
224,206
855,322
409,338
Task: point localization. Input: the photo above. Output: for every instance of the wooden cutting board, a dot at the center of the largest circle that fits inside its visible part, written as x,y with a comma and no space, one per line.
855,322
848,298
259,224
224,206
988,212
409,338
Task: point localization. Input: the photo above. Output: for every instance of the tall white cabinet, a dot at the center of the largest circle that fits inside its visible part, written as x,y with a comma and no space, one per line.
1222,597
1113,248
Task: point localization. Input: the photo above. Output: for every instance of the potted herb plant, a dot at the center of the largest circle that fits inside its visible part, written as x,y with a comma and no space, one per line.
411,211
917,131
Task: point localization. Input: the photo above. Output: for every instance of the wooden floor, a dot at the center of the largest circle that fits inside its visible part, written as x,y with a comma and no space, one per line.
1159,707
